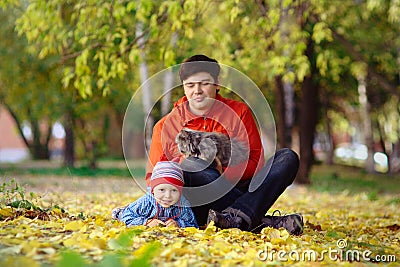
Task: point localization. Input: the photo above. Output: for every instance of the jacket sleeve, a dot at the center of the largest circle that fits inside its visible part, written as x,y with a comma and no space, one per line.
138,212
256,153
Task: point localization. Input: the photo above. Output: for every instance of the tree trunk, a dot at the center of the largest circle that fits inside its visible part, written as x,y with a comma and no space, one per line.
92,154
289,111
285,111
166,100
146,90
382,143
120,121
18,123
366,124
394,158
285,90
168,82
38,149
329,149
280,110
308,119
69,145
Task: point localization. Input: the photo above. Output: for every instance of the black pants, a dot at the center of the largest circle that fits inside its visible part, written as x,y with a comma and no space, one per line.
279,172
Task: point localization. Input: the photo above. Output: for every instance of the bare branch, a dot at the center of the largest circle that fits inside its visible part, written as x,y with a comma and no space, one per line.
262,7
65,57
356,55
18,124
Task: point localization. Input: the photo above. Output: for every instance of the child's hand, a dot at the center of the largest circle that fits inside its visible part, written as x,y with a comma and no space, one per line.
171,222
154,223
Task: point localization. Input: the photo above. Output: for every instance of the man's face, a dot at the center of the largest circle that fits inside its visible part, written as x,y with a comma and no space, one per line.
166,194
201,90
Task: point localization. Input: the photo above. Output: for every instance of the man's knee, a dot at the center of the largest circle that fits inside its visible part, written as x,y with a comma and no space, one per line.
287,155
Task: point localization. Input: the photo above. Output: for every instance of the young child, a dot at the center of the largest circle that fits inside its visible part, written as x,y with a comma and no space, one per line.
163,204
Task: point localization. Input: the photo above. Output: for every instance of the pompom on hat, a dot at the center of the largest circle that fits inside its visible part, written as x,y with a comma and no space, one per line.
167,172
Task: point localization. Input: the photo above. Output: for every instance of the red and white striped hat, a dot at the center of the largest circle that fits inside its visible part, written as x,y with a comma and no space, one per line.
167,172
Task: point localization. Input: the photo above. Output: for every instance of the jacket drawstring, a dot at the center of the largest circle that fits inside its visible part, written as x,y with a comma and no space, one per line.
173,217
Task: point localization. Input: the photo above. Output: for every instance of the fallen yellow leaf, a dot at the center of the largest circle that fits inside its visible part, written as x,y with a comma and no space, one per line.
74,226
6,212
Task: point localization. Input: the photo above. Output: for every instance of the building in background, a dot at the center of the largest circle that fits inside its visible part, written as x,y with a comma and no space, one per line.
12,147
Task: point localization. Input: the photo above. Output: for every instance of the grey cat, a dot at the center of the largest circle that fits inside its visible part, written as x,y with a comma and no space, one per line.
211,145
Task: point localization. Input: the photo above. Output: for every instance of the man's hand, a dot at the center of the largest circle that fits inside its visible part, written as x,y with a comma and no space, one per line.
155,222
171,222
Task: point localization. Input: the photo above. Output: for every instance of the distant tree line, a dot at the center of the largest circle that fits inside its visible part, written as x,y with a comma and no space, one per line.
328,66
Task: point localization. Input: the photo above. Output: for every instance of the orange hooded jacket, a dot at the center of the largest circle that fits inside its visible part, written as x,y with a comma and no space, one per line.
227,116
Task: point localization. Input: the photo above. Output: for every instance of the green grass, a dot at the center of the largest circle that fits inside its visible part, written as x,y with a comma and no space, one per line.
332,179
77,171
337,179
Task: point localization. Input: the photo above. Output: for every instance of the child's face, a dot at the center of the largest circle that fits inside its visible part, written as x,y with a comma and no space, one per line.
166,194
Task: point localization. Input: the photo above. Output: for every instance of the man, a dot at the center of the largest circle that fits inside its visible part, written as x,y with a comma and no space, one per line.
202,108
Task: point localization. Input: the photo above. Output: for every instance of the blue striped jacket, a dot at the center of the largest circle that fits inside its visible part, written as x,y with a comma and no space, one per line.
146,207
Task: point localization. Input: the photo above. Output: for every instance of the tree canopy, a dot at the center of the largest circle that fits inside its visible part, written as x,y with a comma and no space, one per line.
319,48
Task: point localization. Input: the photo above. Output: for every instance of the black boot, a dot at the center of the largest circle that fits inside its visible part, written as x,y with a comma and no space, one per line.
226,220
293,223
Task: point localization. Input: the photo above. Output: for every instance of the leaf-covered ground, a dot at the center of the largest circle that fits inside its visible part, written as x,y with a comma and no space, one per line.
77,230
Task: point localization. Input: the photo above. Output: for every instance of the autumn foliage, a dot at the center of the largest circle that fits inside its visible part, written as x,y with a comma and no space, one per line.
79,231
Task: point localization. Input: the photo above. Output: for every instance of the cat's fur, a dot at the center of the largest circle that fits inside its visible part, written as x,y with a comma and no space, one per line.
211,145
